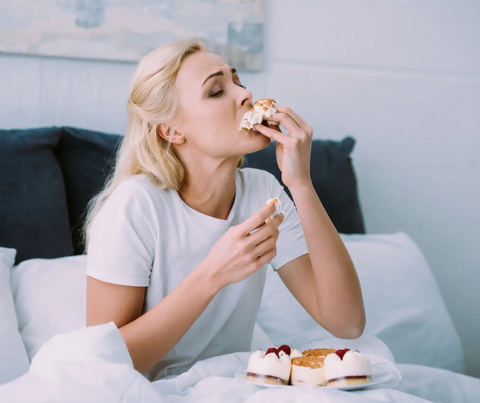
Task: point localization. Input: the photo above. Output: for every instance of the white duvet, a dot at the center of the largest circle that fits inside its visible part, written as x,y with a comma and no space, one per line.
93,365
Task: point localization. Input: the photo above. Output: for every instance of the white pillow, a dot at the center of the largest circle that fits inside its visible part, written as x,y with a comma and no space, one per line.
403,304
49,298
260,339
13,356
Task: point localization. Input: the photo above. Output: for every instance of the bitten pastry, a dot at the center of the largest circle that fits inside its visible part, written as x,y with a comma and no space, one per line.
261,111
345,367
307,371
276,201
273,368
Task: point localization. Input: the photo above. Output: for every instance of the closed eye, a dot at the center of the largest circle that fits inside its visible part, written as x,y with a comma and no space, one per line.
219,93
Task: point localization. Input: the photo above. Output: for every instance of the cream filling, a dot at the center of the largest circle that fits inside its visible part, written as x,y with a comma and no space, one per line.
307,376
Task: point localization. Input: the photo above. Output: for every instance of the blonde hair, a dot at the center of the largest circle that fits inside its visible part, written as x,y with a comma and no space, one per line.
153,100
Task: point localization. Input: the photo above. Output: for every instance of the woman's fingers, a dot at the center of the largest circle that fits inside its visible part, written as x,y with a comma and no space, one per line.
266,246
287,122
257,220
272,126
298,120
275,135
267,230
262,260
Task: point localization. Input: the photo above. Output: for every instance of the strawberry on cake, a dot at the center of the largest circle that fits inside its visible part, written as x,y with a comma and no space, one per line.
346,367
261,111
273,368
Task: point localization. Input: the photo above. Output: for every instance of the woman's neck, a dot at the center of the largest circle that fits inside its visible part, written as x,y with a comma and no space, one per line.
210,190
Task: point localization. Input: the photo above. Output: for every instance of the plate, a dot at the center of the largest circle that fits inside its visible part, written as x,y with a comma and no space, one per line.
378,377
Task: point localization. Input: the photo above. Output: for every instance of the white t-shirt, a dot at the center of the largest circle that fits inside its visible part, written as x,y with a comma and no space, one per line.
149,237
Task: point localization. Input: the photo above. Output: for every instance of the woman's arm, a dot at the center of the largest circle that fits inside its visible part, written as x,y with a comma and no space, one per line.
333,296
336,300
149,337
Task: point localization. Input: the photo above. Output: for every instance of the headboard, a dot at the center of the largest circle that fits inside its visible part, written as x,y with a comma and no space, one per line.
48,175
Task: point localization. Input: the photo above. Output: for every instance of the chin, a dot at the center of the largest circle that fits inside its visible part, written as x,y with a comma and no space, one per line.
258,144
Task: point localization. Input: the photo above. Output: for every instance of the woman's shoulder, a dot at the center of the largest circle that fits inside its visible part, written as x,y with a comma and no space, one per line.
258,177
256,173
134,192
142,184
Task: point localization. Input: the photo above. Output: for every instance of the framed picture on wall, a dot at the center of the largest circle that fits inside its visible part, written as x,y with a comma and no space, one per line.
127,30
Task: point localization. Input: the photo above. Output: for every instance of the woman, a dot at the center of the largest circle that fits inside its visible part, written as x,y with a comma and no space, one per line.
177,240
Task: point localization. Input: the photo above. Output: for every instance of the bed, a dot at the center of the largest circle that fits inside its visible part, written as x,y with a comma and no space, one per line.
48,175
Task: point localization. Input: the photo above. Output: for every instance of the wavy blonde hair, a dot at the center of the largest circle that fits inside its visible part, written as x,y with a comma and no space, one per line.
153,100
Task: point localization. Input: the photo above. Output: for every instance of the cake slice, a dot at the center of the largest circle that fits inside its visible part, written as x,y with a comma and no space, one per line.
307,371
346,367
273,368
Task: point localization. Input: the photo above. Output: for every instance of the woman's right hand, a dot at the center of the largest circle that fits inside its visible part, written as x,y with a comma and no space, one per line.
240,252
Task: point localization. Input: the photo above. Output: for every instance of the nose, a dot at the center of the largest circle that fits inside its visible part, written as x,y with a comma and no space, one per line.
246,99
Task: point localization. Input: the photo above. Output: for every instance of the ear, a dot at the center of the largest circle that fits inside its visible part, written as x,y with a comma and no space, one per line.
166,131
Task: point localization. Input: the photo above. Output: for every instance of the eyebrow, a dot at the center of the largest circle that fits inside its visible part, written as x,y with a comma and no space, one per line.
218,73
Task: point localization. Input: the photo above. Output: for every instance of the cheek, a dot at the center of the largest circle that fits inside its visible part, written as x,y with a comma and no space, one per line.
213,124
219,121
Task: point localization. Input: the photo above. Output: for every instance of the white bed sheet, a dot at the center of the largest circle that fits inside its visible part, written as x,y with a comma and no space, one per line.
93,365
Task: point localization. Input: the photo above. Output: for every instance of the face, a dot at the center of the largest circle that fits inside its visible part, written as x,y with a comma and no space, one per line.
212,110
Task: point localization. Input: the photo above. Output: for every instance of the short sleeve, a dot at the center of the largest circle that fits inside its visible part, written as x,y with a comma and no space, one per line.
291,242
122,238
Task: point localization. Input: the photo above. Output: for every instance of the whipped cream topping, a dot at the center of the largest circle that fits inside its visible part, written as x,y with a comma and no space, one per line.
262,109
295,353
354,363
270,364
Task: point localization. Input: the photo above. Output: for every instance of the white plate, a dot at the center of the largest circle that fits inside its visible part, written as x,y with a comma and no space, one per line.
377,378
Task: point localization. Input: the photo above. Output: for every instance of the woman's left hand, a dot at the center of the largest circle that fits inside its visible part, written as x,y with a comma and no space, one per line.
293,149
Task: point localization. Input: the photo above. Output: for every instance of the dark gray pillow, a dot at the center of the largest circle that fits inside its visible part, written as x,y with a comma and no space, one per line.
33,207
333,178
86,158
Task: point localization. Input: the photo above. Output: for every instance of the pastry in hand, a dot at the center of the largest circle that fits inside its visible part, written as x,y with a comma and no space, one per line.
276,201
261,111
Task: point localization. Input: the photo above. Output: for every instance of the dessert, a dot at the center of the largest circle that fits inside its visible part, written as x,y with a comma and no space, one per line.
295,353
273,368
307,371
276,201
346,367
261,111
319,352
315,367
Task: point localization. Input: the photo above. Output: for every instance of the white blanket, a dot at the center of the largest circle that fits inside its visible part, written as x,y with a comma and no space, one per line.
93,365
